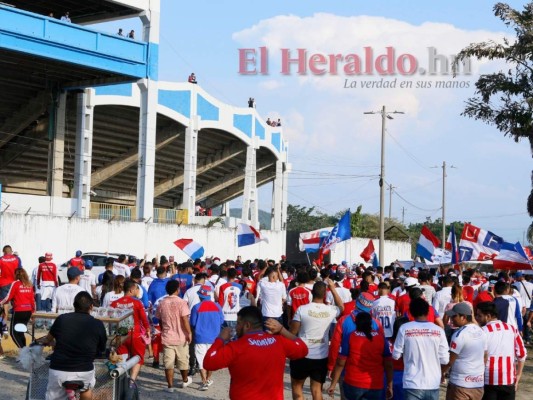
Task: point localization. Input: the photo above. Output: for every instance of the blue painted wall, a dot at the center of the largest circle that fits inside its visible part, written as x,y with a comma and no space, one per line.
276,140
206,110
259,129
41,36
177,100
243,123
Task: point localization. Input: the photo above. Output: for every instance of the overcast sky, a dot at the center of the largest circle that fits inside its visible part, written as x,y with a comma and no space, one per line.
334,148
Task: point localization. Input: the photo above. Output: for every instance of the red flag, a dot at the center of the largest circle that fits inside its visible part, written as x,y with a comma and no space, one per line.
368,252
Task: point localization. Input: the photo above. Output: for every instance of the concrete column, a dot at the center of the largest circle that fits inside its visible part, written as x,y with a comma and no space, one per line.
189,169
277,197
84,146
148,116
250,210
58,148
285,196
146,163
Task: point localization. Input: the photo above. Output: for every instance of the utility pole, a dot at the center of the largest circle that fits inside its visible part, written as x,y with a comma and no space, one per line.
391,188
443,204
384,117
403,215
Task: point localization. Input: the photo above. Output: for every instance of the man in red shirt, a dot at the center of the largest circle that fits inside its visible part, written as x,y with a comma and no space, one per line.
299,295
271,348
76,261
46,281
134,345
402,303
8,265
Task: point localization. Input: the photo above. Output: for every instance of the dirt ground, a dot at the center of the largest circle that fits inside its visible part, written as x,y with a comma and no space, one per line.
13,380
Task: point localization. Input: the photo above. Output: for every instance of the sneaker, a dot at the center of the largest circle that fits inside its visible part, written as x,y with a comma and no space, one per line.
192,371
169,390
155,364
203,387
209,382
187,383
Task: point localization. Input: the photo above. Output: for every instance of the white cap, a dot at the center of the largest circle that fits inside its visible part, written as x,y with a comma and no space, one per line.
409,282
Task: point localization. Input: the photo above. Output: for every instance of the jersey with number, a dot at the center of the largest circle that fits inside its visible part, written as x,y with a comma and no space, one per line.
383,310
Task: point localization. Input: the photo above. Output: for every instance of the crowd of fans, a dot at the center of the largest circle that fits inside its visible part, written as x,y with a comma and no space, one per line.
376,332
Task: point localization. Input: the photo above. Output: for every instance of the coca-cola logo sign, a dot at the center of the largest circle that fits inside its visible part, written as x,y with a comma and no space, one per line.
474,379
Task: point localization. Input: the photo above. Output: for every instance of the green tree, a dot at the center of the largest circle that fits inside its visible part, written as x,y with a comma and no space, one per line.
303,219
505,98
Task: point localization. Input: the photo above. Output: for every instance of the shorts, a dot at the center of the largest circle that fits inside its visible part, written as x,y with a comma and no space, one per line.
454,392
200,350
134,346
4,290
55,389
305,368
176,355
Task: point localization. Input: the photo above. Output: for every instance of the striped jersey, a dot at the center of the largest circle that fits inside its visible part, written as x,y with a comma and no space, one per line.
504,348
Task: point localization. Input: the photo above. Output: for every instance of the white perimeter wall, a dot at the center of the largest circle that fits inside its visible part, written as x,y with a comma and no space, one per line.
33,235
350,251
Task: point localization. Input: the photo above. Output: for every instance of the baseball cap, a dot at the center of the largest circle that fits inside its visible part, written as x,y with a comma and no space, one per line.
48,256
409,282
459,308
364,302
518,274
205,292
78,253
88,264
73,272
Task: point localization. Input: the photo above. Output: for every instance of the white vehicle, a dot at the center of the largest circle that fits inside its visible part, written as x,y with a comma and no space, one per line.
98,259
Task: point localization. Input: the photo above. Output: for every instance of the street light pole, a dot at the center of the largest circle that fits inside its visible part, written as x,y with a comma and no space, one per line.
384,116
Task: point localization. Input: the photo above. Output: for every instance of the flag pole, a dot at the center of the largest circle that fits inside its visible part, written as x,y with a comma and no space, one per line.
308,259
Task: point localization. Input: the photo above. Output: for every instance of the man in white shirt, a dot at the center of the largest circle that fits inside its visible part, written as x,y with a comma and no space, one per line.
383,309
272,294
88,280
64,295
191,295
120,268
311,323
424,349
444,296
506,354
467,365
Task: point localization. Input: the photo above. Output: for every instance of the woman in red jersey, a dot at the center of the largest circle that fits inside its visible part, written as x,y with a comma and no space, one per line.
365,356
21,292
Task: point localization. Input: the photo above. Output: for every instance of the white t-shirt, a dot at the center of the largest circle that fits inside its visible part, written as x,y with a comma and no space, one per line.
121,269
429,293
383,310
64,297
468,370
146,281
424,349
442,298
111,297
315,319
344,294
525,292
87,280
272,295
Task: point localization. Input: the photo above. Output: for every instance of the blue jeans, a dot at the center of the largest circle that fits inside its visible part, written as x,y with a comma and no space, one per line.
355,393
45,305
421,394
